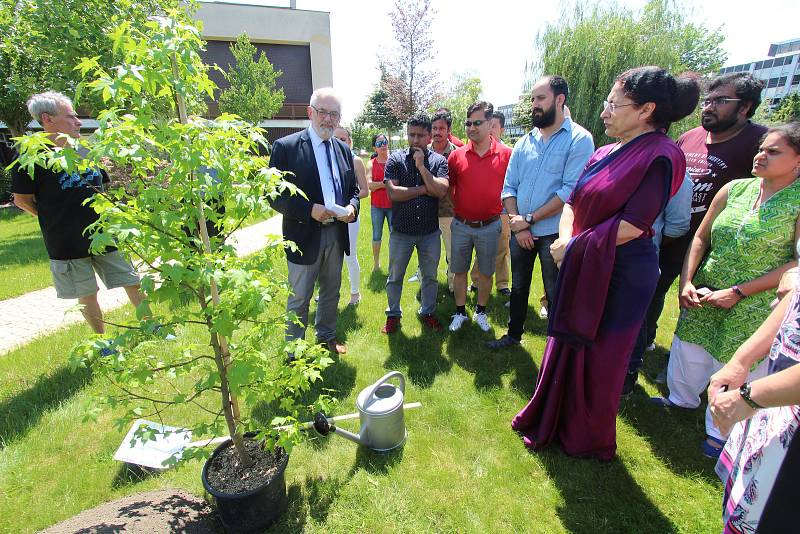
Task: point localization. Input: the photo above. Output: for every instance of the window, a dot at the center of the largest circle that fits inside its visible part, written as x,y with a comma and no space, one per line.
767,63
782,81
759,65
796,79
773,82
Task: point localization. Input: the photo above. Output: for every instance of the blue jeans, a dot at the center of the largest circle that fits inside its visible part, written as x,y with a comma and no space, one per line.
522,262
429,249
378,215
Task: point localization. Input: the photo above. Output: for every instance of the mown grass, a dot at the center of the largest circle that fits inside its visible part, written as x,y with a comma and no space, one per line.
24,265
461,470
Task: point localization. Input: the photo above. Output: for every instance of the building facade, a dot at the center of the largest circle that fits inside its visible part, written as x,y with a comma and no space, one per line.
296,42
780,71
513,131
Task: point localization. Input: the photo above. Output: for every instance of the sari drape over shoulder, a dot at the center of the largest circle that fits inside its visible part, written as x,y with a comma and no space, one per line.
602,293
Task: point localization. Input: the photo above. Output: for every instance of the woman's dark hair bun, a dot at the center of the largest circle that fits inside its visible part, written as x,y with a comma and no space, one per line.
687,94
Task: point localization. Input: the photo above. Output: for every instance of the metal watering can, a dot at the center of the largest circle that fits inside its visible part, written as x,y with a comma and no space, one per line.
380,411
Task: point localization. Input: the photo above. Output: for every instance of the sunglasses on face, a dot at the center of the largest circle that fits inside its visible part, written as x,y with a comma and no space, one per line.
477,123
382,142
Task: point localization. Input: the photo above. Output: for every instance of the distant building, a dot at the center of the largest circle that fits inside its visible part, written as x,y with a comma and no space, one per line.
780,71
296,41
513,131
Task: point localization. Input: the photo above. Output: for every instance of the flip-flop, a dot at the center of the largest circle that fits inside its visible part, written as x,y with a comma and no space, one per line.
710,451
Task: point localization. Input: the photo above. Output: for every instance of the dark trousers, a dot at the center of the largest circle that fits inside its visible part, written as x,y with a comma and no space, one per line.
522,262
670,262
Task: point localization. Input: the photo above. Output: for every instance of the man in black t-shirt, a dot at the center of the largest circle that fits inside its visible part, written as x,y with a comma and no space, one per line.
720,150
415,181
57,199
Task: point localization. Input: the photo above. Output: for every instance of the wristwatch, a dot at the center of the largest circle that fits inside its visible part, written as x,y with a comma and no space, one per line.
744,391
529,219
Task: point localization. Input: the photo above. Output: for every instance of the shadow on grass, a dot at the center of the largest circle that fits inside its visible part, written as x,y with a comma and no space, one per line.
313,499
601,497
377,463
348,321
24,410
674,434
421,356
377,281
468,349
130,474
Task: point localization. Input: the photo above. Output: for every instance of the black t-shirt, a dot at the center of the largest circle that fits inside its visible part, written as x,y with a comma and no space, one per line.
63,217
420,215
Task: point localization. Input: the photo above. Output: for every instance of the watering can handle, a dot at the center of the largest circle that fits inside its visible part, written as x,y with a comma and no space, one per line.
386,378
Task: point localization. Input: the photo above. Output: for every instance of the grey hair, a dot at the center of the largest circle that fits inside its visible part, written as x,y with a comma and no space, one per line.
46,102
323,92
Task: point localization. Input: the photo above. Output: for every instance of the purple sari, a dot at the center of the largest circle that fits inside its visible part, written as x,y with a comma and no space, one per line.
602,295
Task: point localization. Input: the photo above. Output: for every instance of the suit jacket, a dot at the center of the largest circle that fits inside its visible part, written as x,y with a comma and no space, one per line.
294,153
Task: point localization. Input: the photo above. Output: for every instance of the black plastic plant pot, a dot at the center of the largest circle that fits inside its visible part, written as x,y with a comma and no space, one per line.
254,510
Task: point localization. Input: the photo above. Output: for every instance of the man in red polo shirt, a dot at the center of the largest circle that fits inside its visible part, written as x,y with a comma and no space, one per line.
477,171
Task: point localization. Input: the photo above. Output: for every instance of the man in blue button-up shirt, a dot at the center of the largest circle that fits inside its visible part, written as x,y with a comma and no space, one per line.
543,170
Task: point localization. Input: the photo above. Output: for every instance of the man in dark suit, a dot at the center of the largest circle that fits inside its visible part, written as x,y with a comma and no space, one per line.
322,168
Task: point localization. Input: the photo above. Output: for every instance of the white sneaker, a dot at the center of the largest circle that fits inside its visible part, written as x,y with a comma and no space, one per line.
543,313
416,276
458,322
482,321
650,348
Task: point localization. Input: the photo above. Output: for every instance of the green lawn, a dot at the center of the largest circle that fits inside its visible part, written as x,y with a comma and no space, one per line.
461,470
24,265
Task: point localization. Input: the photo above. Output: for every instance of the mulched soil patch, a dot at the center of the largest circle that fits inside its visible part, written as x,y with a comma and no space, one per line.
226,474
155,511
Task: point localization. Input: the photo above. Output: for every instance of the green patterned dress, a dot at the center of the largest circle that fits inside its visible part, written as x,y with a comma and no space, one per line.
745,243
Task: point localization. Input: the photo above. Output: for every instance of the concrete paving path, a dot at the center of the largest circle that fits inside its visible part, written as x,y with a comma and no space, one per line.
37,313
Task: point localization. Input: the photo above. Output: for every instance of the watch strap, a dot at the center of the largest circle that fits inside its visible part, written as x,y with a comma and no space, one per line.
744,391
738,290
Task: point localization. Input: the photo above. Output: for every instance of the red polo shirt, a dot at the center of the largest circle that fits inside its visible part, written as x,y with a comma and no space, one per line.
476,181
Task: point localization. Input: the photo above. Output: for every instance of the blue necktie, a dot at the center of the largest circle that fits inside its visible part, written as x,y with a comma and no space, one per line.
337,188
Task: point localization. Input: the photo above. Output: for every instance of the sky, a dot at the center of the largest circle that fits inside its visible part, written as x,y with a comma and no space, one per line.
493,40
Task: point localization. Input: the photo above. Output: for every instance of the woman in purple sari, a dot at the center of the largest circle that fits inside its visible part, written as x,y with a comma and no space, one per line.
608,265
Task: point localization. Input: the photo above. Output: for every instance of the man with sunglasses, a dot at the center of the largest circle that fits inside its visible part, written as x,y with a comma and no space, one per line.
720,150
321,166
476,179
544,167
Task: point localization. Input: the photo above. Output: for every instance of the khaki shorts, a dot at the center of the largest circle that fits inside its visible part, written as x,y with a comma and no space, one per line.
76,278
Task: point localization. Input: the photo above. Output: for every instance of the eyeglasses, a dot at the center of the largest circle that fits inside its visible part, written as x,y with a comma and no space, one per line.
380,143
477,123
718,101
334,115
612,107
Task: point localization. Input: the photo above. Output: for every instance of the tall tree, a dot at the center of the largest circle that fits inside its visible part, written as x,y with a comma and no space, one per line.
411,85
41,42
252,94
464,90
593,44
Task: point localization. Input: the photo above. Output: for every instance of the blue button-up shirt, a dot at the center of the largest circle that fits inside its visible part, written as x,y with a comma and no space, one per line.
674,220
539,169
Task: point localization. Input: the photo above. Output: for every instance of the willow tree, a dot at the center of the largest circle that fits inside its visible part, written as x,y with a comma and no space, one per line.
593,44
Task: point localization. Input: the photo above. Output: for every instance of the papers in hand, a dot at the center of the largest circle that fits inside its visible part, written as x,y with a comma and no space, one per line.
338,210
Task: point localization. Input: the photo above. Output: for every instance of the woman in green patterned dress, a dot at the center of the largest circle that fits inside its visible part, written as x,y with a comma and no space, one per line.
746,241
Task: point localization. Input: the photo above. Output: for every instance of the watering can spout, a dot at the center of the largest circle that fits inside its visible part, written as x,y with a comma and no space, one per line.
324,427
